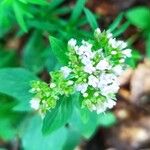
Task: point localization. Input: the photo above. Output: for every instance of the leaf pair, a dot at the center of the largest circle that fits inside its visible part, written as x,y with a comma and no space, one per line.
58,116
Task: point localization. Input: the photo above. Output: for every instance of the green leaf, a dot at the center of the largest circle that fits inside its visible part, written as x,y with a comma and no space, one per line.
38,2
83,123
19,15
54,4
77,10
59,50
15,82
73,139
8,58
58,116
107,119
35,53
140,17
32,128
121,29
91,18
116,22
9,120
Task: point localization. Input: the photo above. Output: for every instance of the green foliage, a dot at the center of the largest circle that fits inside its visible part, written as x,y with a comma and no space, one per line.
15,83
33,22
8,58
121,29
32,128
34,57
77,10
116,22
58,48
91,18
59,116
9,120
140,17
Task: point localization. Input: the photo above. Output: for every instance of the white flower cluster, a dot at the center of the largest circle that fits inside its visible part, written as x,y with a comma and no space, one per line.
93,70
35,103
102,72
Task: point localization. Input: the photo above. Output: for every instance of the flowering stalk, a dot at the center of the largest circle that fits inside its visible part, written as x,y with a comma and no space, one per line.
93,70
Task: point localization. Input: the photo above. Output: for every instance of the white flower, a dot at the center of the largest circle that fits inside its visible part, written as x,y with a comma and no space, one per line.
109,34
52,85
127,52
100,108
113,42
121,44
87,44
81,50
103,65
96,94
35,103
70,82
110,103
118,70
89,68
106,79
113,52
72,43
86,61
93,81
82,87
85,51
122,60
108,84
66,71
85,94
97,32
109,89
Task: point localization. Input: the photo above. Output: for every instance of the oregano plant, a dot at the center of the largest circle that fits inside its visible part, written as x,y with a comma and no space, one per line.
89,68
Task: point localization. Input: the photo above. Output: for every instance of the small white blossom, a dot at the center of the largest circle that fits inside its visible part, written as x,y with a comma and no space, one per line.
85,94
103,65
113,42
87,44
122,44
100,108
81,50
109,89
35,103
93,81
70,82
82,87
113,52
103,106
109,34
97,32
122,60
86,61
89,69
72,43
96,94
127,52
118,70
93,107
66,71
52,85
108,84
110,103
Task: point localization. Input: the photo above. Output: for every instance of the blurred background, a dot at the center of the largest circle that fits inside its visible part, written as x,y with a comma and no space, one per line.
24,29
